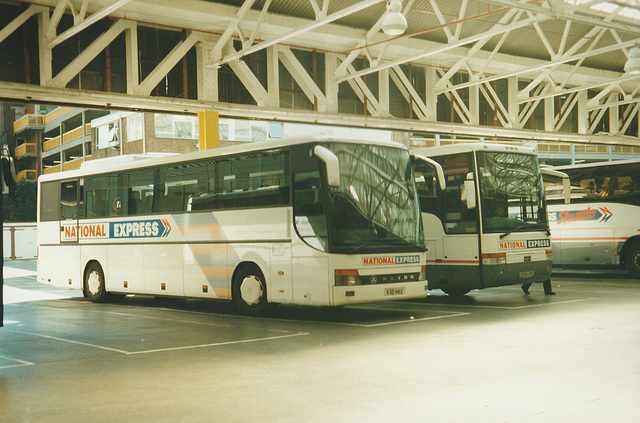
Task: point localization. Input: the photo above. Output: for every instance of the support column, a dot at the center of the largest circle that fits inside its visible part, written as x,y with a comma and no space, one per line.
133,75
474,105
330,85
549,114
614,119
45,53
383,90
273,76
583,114
512,100
431,99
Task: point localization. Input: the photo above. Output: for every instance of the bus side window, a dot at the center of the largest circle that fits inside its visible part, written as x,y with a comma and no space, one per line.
116,196
427,194
69,200
96,196
49,201
140,192
458,219
308,209
167,193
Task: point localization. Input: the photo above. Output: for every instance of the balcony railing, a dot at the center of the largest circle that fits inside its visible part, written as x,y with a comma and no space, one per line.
50,144
27,175
26,149
55,114
72,164
28,121
52,169
72,135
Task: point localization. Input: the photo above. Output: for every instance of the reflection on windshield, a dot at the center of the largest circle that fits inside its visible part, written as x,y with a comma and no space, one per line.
511,192
375,206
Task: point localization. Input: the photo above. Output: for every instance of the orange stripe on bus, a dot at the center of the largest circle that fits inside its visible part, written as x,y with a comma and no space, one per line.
222,292
217,272
209,250
201,229
589,239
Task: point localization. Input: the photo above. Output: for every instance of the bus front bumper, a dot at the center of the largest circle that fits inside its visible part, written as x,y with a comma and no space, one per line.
355,294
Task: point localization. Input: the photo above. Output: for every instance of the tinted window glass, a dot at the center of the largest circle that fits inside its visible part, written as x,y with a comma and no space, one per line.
69,200
49,200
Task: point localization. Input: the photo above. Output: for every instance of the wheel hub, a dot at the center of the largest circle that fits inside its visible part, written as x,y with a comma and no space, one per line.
93,283
251,290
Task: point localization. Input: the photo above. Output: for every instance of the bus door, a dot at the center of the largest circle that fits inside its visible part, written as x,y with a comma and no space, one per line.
461,246
71,211
70,201
450,221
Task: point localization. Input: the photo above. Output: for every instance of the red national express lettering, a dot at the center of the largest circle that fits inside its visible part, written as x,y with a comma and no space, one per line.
509,245
85,231
368,261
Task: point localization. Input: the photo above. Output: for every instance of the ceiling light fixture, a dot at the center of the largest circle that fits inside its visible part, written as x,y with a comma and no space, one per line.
394,22
632,67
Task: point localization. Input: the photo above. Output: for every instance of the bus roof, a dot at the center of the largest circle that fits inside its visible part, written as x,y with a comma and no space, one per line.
469,147
135,161
599,164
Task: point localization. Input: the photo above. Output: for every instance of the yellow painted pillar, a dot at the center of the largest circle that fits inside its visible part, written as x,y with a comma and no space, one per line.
208,124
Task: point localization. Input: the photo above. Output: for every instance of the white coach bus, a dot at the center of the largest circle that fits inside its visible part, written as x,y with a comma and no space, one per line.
489,226
300,221
596,221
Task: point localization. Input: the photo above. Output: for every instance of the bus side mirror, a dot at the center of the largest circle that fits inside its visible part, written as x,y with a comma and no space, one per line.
9,171
435,165
469,195
556,174
331,162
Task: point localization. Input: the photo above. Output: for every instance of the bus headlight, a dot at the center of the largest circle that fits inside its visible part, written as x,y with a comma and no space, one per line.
347,277
497,258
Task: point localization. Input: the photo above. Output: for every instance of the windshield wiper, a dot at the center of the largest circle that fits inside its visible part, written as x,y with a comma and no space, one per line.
532,225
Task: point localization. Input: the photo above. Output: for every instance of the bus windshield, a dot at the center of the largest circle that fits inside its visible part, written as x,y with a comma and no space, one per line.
375,207
512,193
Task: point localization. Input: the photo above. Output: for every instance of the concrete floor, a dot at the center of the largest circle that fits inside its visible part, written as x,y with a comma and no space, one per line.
493,356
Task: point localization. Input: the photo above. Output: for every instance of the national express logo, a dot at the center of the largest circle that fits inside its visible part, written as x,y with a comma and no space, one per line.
148,228
600,215
376,261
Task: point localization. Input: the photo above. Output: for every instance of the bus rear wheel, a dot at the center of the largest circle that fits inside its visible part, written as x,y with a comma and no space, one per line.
632,260
94,286
456,292
249,291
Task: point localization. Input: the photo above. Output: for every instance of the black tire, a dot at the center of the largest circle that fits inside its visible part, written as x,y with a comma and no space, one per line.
94,287
632,260
455,292
249,291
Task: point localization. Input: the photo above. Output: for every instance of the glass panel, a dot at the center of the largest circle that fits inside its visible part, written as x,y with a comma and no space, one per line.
97,194
457,218
49,200
512,193
375,207
140,192
308,210
69,200
609,183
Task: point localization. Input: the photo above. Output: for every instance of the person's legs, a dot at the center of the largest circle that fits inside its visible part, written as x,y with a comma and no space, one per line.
547,287
525,288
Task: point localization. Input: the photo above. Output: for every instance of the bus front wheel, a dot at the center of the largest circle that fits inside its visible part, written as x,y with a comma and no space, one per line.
632,260
94,287
249,291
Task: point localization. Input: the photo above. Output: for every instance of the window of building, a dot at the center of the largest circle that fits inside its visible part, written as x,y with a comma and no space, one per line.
134,127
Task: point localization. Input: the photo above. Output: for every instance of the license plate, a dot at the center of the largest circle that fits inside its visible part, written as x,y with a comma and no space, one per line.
393,291
527,274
